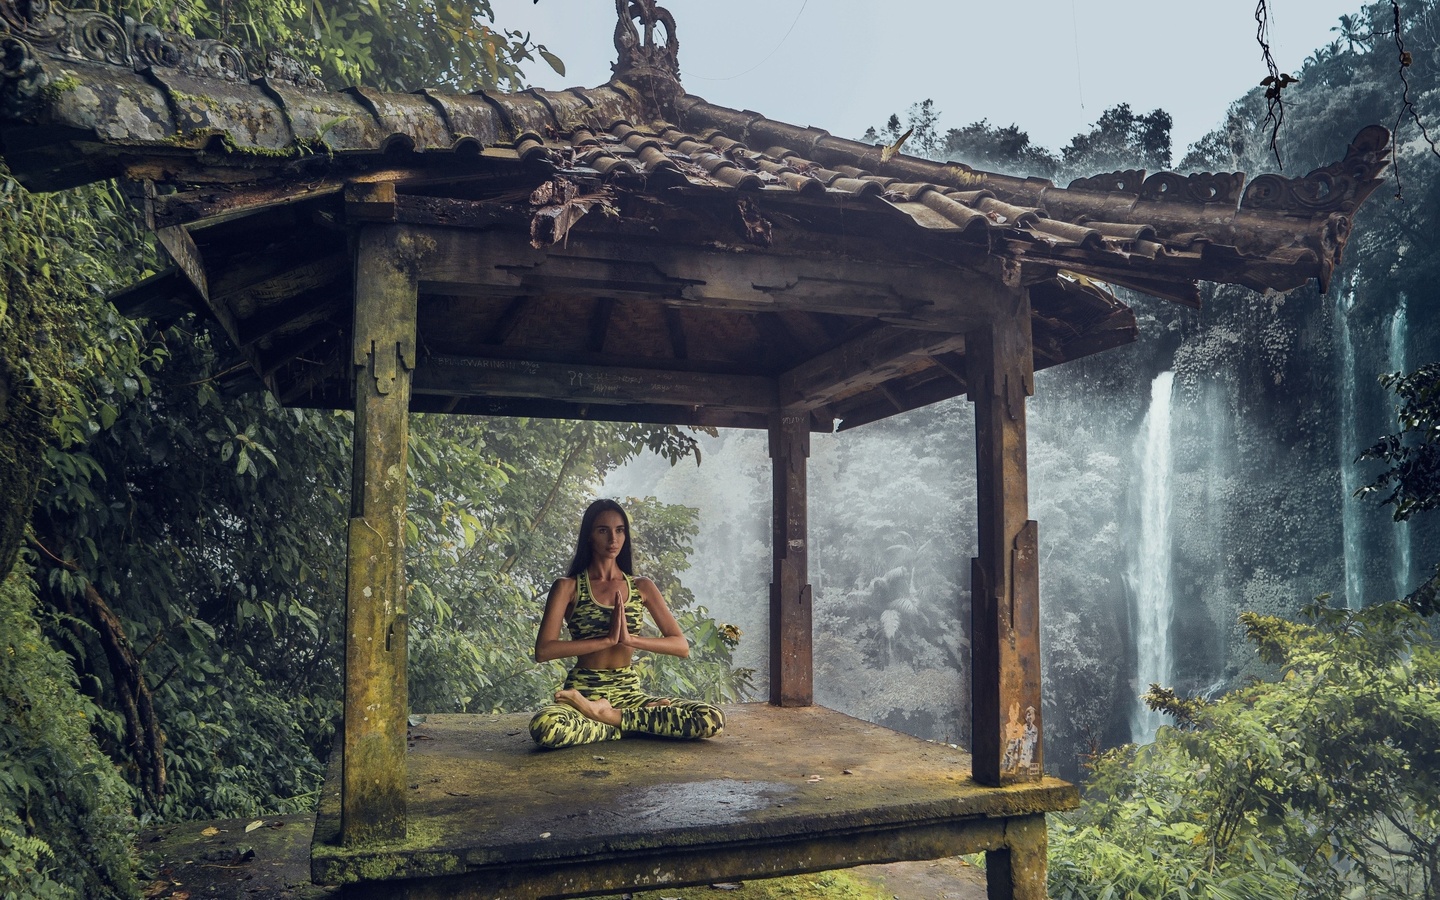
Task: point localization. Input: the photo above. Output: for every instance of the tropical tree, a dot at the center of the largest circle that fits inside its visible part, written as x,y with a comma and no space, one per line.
1323,782
1119,138
1354,31
1412,454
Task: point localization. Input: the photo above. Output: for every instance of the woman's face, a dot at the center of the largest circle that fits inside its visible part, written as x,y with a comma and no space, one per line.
607,535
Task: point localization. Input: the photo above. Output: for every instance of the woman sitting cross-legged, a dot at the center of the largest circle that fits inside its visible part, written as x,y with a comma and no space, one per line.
601,600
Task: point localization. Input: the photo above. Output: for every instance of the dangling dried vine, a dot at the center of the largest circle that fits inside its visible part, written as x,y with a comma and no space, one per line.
1402,56
1274,83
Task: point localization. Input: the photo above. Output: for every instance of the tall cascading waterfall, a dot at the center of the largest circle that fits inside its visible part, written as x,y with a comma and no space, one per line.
1349,449
1149,573
1399,362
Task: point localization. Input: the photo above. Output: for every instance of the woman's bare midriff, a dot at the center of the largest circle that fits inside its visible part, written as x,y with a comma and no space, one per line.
616,657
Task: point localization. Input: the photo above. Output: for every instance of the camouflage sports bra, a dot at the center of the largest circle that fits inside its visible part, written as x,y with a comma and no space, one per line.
588,619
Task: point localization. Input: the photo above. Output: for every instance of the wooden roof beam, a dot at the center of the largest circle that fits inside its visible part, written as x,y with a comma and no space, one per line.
646,413
184,252
673,324
166,294
600,323
862,364
479,376
953,300
294,314
952,364
285,265
890,400
505,325
211,206
262,190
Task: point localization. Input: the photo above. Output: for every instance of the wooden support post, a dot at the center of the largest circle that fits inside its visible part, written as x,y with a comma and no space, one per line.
1018,871
1006,731
792,681
376,696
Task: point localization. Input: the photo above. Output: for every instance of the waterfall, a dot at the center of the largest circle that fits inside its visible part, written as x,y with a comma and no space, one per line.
1149,573
1349,449
1400,363
1213,689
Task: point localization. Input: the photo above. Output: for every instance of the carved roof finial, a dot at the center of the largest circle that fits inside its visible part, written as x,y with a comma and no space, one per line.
644,62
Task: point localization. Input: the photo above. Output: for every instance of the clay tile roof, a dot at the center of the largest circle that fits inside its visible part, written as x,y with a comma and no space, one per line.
73,111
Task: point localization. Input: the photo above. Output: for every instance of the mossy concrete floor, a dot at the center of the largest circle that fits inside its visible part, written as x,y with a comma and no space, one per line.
782,791
189,861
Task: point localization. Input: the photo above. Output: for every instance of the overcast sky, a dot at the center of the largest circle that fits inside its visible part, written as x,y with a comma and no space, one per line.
1049,66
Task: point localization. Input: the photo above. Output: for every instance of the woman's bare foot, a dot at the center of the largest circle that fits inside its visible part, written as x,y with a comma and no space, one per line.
599,710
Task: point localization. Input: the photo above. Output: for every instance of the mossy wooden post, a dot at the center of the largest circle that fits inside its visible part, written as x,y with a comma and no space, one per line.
1018,872
376,698
1006,730
791,676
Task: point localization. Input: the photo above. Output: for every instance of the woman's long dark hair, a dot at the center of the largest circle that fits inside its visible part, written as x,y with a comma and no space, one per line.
585,551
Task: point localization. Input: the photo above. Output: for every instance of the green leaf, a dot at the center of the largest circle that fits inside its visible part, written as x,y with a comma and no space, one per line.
554,61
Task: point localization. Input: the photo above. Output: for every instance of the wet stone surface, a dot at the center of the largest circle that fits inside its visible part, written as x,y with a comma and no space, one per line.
718,801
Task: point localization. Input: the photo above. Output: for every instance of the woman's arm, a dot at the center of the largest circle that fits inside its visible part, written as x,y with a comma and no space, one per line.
671,642
548,643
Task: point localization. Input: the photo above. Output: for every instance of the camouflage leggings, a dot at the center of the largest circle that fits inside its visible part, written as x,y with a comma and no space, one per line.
559,725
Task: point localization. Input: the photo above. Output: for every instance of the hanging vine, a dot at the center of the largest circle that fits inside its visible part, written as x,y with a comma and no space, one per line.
1276,81
1407,108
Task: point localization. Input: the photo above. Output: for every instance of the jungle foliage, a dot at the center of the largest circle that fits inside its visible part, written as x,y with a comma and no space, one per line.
1120,138
65,355
1324,782
396,45
66,827
1412,454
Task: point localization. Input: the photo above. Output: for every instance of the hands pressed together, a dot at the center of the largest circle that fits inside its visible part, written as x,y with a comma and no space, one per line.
619,626
600,650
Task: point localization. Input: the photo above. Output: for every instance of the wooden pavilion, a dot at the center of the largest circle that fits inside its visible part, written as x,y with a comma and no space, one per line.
631,252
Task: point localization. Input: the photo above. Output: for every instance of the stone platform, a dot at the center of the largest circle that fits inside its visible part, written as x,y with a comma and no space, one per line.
782,791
